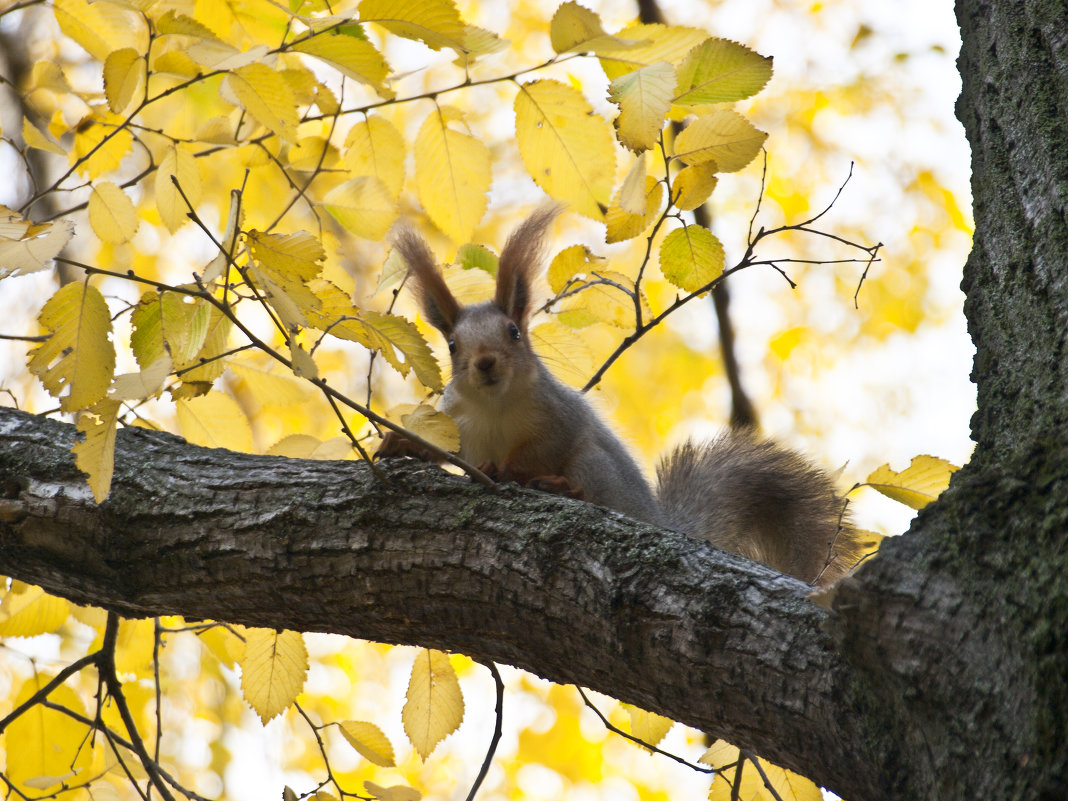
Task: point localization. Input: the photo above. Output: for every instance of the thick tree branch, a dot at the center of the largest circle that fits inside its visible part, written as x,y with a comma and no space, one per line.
564,589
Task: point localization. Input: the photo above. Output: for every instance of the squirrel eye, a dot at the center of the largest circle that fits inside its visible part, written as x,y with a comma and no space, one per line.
452,345
513,331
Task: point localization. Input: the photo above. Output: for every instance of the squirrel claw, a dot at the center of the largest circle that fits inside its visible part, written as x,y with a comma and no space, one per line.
397,445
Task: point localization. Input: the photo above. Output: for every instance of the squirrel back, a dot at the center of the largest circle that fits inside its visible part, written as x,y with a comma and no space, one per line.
518,423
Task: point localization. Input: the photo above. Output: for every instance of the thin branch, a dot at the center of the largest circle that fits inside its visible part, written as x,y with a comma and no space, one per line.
642,743
44,692
499,716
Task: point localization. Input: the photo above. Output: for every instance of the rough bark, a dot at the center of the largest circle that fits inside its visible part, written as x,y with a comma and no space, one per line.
941,673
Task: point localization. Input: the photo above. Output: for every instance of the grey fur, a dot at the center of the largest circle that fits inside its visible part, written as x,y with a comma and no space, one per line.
740,492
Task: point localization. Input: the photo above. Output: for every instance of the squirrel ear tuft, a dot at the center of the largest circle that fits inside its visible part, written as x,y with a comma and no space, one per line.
520,261
439,305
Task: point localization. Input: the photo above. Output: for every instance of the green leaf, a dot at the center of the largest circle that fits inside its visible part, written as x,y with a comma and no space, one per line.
721,71
691,257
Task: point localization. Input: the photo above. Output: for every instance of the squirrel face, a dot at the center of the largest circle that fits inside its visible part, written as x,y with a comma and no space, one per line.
490,351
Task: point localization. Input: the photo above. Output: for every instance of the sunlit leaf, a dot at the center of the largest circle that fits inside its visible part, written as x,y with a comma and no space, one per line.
364,206
273,669
43,741
430,424
643,97
353,56
178,164
574,28
396,792
124,78
691,257
305,446
563,351
112,213
33,137
605,298
632,194
571,262
100,144
145,383
621,225
95,455
917,485
389,333
656,43
452,173
436,23
25,246
648,727
101,28
375,147
434,705
78,356
214,420
267,97
270,388
723,136
477,257
566,148
31,612
721,71
693,185
369,741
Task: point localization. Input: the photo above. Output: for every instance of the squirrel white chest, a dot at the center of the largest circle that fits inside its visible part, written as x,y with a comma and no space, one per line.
491,426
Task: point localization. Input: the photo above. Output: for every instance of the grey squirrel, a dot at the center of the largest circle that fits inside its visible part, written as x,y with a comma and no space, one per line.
518,423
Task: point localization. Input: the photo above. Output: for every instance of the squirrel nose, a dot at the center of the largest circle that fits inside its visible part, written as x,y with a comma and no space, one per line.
485,363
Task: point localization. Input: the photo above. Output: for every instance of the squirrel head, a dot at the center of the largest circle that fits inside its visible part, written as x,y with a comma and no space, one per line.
488,342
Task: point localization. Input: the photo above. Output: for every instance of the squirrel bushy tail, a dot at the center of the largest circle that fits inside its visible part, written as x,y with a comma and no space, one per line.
751,496
518,423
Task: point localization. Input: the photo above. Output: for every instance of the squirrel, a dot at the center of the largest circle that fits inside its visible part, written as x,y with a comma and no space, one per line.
518,423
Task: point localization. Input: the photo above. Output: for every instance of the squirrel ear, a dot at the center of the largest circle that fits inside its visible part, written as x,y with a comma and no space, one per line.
439,305
520,261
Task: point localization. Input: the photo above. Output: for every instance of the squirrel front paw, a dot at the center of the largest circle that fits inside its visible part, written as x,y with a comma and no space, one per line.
558,485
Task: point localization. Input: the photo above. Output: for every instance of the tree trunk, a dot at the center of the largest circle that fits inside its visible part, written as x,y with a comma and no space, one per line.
939,674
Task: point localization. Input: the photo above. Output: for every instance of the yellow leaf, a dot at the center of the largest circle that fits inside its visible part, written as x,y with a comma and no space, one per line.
43,741
265,95
648,727
304,365
436,23
917,485
606,299
288,256
304,446
270,389
452,174
427,422
369,741
134,645
566,147
563,351
273,669
78,355
364,206
655,43
101,28
217,267
632,192
214,420
375,147
693,185
216,338
112,213
216,55
691,257
95,455
352,55
146,383
31,612
576,29
33,137
396,792
124,78
25,246
477,42
568,263
178,164
49,75
434,705
643,97
388,333
621,225
721,71
477,257
174,23
723,136
100,145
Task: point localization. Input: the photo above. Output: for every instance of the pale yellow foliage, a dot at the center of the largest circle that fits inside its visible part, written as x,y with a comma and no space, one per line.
273,669
691,257
77,361
125,75
214,421
27,611
95,454
721,71
917,485
375,147
643,97
565,147
177,165
430,424
266,96
112,213
369,740
363,205
434,705
452,173
723,136
45,742
648,727
26,247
